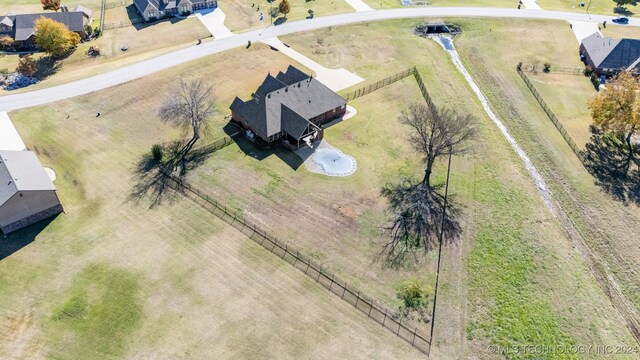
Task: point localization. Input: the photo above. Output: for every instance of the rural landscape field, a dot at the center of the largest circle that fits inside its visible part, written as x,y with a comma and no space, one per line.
348,179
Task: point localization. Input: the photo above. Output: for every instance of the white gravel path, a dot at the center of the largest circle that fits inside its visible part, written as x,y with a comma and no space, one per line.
582,29
214,22
447,44
334,79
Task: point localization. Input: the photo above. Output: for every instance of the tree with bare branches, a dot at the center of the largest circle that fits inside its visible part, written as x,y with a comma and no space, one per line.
436,133
419,214
190,106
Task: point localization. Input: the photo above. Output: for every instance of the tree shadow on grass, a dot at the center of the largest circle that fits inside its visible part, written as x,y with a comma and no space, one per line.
623,10
605,160
163,180
417,222
47,66
279,21
17,240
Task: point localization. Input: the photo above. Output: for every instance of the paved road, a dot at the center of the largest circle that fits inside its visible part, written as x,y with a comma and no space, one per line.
147,67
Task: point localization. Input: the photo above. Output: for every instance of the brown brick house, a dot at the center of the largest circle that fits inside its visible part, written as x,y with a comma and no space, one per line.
291,107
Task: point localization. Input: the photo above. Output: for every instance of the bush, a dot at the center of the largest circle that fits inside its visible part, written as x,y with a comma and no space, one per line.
6,42
96,32
414,293
4,71
588,70
595,80
157,152
27,66
547,67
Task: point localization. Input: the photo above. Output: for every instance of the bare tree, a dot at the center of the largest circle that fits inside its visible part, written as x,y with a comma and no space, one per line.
189,106
418,210
436,133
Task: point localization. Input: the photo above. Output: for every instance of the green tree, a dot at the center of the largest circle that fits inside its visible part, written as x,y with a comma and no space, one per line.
617,111
54,37
284,7
27,66
50,4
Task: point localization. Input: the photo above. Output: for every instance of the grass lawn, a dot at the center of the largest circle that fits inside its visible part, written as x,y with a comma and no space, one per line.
567,96
34,6
609,228
515,278
241,15
113,278
142,42
597,6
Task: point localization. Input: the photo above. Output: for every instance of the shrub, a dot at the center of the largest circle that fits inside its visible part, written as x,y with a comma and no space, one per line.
414,293
96,32
595,80
6,42
27,66
157,152
547,67
588,70
4,71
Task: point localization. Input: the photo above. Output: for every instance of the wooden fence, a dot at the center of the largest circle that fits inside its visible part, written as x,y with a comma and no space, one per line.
565,135
389,319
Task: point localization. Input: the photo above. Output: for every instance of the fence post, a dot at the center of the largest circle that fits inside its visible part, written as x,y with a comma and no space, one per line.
385,317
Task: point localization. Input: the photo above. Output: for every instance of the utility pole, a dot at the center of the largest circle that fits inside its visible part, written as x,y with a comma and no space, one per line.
444,213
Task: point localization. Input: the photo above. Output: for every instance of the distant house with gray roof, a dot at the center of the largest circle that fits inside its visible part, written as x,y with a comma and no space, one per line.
27,194
157,9
291,107
608,56
21,27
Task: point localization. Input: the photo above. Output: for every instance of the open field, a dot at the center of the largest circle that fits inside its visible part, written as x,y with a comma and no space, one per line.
113,278
143,43
608,227
515,272
567,96
241,15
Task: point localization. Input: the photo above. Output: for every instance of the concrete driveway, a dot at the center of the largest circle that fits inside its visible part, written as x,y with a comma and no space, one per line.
213,20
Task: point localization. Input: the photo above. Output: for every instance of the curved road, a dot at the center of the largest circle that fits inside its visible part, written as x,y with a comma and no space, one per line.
150,66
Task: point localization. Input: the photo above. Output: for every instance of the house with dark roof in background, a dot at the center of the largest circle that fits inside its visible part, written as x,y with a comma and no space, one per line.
291,107
21,27
608,56
157,9
27,194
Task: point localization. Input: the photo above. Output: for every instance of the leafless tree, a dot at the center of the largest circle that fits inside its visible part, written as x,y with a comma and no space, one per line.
436,133
418,209
191,105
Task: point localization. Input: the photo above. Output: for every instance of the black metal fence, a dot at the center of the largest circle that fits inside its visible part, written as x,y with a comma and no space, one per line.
390,80
121,24
375,310
115,4
551,115
552,69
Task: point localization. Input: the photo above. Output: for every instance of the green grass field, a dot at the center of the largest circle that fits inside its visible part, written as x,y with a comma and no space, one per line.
515,260
567,96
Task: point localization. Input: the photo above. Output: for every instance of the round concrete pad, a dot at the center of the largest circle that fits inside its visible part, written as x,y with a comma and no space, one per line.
51,173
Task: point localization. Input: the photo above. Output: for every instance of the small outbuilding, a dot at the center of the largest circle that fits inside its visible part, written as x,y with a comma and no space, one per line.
27,194
291,107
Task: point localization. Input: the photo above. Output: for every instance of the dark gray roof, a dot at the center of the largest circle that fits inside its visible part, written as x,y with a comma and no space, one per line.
294,124
24,23
162,4
611,53
7,21
21,171
296,92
